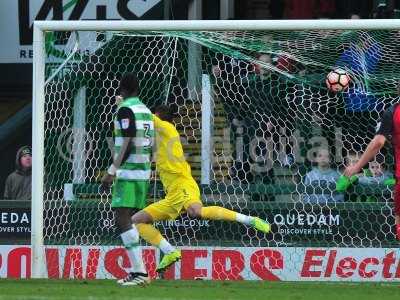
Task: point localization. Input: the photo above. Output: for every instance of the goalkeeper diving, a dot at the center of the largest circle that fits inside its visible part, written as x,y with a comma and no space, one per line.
182,192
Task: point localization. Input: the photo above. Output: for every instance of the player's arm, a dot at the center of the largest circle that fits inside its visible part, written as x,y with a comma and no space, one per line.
126,120
372,150
384,131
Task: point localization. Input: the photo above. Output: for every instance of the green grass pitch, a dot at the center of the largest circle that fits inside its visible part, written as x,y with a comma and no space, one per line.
195,290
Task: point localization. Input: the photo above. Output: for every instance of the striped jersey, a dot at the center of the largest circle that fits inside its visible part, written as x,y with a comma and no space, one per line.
134,119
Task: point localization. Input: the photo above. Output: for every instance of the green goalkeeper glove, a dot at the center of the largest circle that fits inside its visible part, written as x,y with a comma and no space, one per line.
390,181
344,182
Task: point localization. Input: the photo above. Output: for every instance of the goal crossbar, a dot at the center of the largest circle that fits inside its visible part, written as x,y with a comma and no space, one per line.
220,25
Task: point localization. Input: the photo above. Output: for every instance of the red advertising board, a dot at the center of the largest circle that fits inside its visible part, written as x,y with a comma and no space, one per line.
292,264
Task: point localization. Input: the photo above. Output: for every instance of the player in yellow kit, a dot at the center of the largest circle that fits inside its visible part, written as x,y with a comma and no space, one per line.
182,192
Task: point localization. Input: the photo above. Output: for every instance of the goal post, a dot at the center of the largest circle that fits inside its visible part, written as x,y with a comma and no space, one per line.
243,119
38,80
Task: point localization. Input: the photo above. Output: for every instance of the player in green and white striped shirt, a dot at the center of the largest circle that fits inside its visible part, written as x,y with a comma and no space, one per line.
130,170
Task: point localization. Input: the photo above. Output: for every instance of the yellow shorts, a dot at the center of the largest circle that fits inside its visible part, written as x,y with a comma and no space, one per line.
179,196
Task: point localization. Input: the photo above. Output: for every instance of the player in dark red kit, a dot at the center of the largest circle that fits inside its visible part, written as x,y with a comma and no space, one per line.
387,129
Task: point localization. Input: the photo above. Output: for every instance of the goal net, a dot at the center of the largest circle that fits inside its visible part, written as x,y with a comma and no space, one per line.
264,136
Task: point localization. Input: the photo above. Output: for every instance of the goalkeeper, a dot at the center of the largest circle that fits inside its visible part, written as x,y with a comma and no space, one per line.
182,192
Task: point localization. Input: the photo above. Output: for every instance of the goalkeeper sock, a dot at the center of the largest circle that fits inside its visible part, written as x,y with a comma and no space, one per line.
151,235
130,240
221,213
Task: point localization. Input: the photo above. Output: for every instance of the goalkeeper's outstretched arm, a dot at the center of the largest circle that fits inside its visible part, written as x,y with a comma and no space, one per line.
372,150
383,132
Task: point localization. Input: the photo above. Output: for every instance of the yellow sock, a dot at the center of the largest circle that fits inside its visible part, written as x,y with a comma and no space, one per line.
217,213
150,234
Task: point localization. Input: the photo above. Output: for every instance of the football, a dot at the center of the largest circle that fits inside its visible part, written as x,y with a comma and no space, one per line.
337,80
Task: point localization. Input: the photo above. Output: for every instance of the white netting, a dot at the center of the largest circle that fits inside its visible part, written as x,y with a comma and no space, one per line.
271,115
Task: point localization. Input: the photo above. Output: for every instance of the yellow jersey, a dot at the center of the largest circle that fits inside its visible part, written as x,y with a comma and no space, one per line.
170,159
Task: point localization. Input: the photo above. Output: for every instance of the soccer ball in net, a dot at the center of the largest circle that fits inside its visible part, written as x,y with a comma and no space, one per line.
337,80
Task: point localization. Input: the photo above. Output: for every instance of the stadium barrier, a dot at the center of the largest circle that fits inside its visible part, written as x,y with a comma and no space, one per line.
217,263
293,224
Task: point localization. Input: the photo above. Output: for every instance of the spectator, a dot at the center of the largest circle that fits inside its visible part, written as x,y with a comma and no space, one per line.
344,183
285,63
231,77
261,70
383,10
355,16
322,176
231,68
375,174
18,183
309,9
351,158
